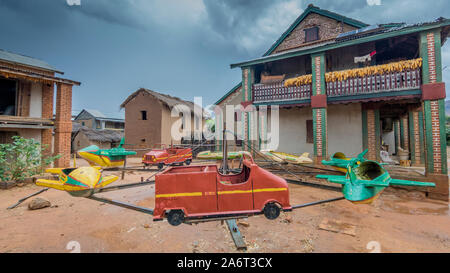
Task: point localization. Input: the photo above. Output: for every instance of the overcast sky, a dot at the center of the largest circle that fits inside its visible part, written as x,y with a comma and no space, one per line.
180,47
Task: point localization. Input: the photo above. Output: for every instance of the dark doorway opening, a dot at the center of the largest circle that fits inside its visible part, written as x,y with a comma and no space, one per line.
8,97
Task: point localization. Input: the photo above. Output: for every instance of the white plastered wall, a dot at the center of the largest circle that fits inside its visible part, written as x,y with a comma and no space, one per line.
36,100
344,129
292,128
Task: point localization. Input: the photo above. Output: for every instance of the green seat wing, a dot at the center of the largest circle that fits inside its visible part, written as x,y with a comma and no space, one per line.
340,179
399,182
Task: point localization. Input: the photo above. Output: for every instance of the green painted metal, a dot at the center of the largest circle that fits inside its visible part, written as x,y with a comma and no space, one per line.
365,180
312,9
376,95
324,133
326,47
315,130
293,102
443,137
428,137
423,50
340,161
112,156
437,54
322,73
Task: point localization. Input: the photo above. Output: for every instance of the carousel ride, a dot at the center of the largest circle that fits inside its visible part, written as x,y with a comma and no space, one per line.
206,192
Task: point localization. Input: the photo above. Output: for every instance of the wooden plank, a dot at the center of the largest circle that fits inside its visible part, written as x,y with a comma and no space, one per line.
236,234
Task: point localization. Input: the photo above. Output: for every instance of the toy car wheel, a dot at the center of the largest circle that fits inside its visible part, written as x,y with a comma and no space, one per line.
175,217
188,162
271,211
160,166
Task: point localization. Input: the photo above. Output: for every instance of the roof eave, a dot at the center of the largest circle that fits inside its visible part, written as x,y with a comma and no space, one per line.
228,93
317,49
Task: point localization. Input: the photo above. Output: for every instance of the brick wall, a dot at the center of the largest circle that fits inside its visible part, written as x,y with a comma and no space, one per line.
416,136
319,142
63,124
317,72
404,121
143,133
47,113
435,132
431,57
328,28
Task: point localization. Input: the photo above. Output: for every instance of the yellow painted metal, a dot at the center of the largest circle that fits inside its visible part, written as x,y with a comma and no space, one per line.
100,160
82,182
285,157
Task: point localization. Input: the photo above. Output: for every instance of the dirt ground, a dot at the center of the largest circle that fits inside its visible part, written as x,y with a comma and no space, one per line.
399,221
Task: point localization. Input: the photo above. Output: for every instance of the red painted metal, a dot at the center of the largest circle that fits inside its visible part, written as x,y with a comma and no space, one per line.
167,155
201,191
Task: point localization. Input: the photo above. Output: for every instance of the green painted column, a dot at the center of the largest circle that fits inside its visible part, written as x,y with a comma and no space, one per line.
434,132
248,78
319,110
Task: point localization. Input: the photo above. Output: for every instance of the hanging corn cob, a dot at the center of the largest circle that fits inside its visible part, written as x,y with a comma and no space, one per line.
302,80
358,72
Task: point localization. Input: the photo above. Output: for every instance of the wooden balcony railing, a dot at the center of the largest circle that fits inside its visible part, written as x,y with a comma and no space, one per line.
394,81
278,92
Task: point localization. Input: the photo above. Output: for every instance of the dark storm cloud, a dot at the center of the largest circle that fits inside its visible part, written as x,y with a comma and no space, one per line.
57,12
227,15
162,38
112,11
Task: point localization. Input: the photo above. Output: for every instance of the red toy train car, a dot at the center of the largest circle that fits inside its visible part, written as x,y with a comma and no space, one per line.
198,192
160,155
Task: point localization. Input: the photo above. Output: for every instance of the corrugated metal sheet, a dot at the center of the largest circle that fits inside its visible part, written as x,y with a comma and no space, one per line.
25,60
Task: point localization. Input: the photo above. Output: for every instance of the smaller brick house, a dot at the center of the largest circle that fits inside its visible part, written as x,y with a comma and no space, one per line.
148,119
27,90
104,139
98,121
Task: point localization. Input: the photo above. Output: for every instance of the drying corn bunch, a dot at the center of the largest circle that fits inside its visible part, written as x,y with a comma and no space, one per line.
373,70
302,80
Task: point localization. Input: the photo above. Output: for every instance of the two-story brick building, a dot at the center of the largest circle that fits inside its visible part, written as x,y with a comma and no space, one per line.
27,87
344,85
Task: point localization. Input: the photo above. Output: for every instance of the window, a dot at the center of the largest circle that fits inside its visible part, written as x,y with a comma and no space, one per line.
311,34
6,137
144,115
309,131
82,123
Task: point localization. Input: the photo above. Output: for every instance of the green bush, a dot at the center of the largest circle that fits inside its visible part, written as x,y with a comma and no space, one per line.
23,158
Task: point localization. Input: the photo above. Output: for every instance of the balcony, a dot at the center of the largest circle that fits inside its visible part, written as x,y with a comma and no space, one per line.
395,81
278,92
391,77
